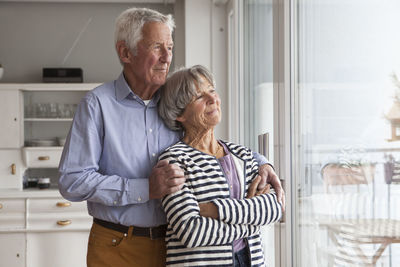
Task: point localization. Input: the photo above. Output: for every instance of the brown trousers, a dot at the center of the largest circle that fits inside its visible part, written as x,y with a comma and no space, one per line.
113,249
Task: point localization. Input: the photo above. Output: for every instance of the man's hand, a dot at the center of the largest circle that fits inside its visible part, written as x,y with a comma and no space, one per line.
256,188
165,179
269,176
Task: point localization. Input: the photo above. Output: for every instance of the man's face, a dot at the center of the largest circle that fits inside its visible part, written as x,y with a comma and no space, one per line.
150,65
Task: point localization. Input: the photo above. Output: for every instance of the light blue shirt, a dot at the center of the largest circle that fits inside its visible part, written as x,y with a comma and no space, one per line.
112,146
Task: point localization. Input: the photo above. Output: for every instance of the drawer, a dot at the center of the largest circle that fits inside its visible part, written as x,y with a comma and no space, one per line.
59,221
12,213
57,213
42,157
55,205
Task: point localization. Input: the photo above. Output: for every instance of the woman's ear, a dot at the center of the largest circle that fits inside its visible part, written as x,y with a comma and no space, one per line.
124,53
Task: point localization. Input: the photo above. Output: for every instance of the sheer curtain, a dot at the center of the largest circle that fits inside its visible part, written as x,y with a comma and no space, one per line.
348,58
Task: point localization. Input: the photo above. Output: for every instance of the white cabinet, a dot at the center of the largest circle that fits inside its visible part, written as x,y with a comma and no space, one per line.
12,214
48,113
12,249
38,228
34,118
40,157
57,214
43,231
11,167
57,229
61,249
11,118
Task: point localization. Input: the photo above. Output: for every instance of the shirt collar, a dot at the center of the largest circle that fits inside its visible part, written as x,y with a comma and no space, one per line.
123,91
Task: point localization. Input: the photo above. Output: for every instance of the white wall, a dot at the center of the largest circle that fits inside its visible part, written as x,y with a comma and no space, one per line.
205,44
37,35
42,34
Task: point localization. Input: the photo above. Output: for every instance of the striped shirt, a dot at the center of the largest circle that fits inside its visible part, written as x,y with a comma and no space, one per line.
193,240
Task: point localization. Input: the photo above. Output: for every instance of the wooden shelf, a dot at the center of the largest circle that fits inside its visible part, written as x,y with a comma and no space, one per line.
98,1
49,86
48,119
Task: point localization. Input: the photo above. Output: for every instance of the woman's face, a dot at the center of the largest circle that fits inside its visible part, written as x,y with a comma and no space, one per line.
204,112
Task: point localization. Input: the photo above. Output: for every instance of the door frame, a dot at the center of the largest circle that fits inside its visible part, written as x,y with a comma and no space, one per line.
285,106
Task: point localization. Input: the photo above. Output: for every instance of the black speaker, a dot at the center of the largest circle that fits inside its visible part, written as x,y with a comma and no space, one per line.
62,75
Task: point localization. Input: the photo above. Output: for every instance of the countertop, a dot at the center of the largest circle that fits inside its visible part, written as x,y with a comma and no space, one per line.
30,193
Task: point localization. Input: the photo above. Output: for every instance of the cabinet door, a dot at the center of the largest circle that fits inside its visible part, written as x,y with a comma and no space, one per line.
12,214
11,168
61,249
12,249
11,119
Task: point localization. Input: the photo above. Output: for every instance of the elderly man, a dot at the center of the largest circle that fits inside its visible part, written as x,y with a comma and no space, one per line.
110,155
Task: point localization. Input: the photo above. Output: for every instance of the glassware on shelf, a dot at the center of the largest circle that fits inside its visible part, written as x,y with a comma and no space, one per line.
66,110
53,110
50,110
41,142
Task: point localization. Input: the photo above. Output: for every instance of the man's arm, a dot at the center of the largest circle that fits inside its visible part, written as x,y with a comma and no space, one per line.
80,178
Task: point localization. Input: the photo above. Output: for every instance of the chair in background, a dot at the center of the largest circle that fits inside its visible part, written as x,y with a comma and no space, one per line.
392,170
349,203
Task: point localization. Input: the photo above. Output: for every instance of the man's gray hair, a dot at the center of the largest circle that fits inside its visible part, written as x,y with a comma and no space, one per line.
178,91
129,25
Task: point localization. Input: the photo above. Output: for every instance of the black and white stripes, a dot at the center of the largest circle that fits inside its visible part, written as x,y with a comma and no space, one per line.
193,240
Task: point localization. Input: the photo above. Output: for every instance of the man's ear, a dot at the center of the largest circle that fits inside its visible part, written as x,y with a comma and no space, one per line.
181,119
124,53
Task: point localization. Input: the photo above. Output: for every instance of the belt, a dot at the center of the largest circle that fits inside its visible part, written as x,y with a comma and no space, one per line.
151,232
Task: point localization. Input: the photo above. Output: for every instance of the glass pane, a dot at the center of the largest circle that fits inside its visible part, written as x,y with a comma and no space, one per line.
258,90
349,112
258,72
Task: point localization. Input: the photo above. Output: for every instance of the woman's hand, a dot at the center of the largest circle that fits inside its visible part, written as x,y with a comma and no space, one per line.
258,187
208,209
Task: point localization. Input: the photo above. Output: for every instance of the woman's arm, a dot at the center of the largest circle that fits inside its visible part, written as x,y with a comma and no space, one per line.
193,230
256,209
259,210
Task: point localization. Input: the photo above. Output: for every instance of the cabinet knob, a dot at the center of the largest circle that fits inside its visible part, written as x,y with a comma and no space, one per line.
63,204
64,222
43,158
13,169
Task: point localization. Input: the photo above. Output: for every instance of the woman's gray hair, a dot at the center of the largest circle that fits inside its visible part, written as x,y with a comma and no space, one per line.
178,91
129,25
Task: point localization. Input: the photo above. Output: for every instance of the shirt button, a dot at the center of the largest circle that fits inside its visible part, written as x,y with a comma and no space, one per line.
231,186
150,130
134,97
115,202
139,199
154,154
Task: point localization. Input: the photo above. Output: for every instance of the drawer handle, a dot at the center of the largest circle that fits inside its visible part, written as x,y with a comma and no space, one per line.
43,158
64,222
13,169
63,204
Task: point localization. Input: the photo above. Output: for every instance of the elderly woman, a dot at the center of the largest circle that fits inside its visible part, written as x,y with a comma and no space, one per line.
210,222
